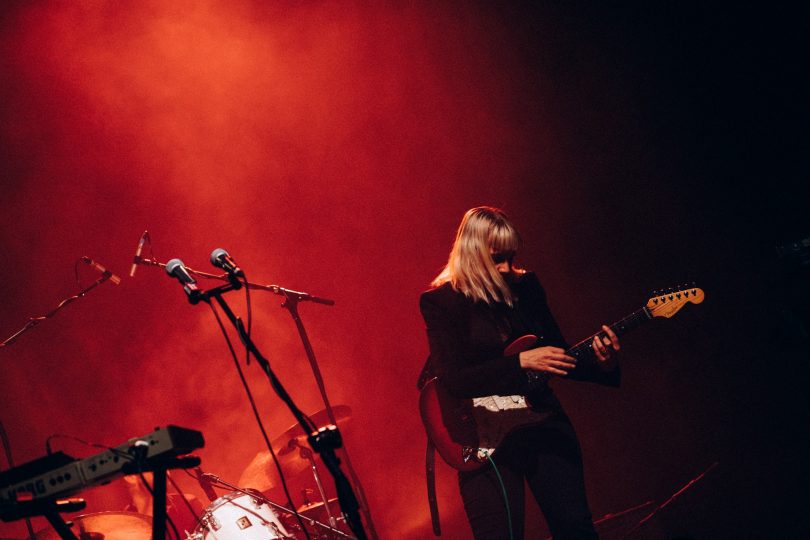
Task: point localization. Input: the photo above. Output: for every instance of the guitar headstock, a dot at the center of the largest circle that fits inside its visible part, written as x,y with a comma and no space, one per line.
669,303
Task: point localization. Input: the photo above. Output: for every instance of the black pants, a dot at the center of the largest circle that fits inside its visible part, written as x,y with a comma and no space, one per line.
550,461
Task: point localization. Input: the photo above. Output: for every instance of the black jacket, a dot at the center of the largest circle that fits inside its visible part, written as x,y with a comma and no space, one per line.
467,340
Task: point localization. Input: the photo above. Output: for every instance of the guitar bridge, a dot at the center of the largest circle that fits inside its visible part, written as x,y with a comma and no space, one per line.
478,454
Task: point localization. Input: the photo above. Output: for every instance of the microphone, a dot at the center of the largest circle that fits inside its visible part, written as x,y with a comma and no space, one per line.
205,483
221,259
104,272
137,259
177,269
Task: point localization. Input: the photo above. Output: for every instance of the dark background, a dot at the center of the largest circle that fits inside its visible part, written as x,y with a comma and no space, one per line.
333,147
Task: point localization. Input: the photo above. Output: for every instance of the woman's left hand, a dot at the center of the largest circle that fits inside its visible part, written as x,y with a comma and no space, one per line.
606,350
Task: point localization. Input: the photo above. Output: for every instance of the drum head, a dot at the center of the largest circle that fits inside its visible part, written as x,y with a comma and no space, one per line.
238,516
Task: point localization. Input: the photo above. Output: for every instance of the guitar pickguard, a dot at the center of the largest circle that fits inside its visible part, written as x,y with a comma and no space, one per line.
497,416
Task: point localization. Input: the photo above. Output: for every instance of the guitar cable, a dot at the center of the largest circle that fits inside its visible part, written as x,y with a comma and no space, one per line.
505,497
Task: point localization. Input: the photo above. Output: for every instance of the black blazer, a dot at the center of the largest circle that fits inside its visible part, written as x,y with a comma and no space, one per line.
467,340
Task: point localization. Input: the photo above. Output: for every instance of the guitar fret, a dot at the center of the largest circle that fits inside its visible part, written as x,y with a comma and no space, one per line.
621,327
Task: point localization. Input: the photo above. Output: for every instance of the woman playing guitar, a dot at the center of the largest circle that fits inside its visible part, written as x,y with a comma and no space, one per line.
479,304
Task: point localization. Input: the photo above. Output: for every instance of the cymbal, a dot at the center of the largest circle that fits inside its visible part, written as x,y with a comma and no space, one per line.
105,526
261,472
315,507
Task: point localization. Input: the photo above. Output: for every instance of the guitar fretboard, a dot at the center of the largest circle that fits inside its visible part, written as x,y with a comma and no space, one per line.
583,349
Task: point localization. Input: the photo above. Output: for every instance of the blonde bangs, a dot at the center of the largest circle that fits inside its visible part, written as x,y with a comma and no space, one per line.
504,238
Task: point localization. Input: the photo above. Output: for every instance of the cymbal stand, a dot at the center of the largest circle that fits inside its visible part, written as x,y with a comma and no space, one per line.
306,453
324,440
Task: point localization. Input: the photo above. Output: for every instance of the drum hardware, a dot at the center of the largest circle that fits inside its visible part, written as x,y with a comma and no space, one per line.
261,472
306,453
205,484
287,441
256,501
305,493
240,515
311,508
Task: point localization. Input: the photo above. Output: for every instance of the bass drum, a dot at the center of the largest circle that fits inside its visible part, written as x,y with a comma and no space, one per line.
239,516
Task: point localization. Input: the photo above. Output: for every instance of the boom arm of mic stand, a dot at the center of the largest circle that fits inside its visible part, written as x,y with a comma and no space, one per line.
275,289
298,296
152,262
33,321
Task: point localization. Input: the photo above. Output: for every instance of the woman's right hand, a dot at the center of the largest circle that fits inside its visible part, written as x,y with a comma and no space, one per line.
547,360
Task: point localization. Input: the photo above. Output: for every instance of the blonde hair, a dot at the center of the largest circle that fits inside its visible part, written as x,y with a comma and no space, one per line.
470,268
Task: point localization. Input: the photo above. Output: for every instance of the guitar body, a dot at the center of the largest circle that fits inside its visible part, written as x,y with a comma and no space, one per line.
466,431
449,425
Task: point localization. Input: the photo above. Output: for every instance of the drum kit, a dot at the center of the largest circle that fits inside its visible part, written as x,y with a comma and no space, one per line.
245,513
321,519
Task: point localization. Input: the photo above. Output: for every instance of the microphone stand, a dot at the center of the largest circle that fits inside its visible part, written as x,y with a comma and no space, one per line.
291,300
325,440
669,501
33,321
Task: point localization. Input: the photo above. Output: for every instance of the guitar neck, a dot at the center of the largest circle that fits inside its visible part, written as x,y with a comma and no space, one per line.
631,322
665,305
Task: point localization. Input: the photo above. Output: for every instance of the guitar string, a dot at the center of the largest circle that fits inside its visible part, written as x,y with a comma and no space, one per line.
628,323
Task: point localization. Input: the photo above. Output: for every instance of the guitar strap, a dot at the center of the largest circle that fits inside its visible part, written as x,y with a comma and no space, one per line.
430,456
430,476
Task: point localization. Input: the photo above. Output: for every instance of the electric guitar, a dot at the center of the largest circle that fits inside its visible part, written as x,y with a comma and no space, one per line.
466,431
